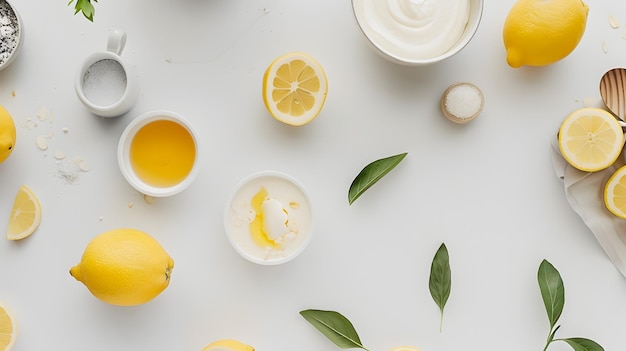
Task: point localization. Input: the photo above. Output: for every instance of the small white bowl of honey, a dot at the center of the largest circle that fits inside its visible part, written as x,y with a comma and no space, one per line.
158,153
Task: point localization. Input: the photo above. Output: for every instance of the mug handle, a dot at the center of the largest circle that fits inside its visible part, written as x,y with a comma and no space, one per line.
116,41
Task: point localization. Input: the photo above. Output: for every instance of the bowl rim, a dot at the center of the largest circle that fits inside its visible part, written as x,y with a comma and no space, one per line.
228,217
20,37
123,150
460,44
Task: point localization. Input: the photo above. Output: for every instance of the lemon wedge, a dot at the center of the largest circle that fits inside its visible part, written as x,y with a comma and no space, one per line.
295,88
227,345
590,139
8,329
25,216
615,193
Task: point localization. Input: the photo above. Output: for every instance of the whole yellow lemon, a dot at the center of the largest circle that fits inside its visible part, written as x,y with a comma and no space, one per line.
124,267
541,32
7,134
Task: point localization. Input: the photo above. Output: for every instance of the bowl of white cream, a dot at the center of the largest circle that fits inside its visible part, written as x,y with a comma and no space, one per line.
268,218
418,32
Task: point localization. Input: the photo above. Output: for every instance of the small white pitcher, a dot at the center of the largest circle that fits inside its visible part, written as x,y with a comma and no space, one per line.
105,84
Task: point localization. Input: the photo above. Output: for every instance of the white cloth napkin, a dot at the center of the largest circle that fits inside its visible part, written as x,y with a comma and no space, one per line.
585,194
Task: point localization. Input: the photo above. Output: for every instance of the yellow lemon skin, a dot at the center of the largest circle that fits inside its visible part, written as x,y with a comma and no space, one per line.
124,267
7,134
227,345
541,32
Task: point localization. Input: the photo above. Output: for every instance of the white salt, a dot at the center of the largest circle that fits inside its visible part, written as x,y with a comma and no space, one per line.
105,82
464,101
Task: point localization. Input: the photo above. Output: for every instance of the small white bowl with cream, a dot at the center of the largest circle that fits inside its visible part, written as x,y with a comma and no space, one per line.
418,32
268,218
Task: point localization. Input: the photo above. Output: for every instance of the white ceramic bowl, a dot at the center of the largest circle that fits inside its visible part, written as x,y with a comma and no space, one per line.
19,35
123,154
475,15
238,215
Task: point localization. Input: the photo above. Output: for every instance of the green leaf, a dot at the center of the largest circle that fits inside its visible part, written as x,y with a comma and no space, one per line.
440,281
85,6
552,291
372,173
335,326
582,344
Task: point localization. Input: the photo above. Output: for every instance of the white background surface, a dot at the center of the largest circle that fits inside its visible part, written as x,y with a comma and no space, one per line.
486,189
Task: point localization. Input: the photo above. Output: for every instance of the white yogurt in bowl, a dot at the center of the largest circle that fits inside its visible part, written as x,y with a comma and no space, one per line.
268,218
418,32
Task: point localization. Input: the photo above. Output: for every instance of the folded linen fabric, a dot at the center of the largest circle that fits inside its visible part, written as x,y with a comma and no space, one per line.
585,193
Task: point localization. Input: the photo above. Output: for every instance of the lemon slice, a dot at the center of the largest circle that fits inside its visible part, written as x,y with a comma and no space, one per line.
295,88
590,139
8,329
405,348
226,345
615,193
25,215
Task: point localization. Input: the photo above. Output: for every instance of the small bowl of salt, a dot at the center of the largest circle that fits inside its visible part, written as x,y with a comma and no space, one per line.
11,34
462,102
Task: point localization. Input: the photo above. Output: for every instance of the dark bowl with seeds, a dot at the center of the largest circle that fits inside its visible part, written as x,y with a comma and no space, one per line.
11,34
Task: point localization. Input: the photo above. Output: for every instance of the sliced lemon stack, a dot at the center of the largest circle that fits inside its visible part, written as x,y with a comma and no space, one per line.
25,216
8,329
590,139
615,193
227,345
295,88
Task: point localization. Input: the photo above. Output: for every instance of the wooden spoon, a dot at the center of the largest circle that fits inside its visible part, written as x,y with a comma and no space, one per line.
613,91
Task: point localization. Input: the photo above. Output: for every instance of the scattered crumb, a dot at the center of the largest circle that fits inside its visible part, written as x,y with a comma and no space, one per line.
29,124
42,113
13,93
100,219
59,155
294,205
83,166
613,22
130,205
42,142
65,130
589,102
148,199
51,116
68,171
605,48
168,60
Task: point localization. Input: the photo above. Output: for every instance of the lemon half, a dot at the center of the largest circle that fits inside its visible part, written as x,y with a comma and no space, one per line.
227,345
590,139
295,88
25,215
405,348
615,193
8,329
